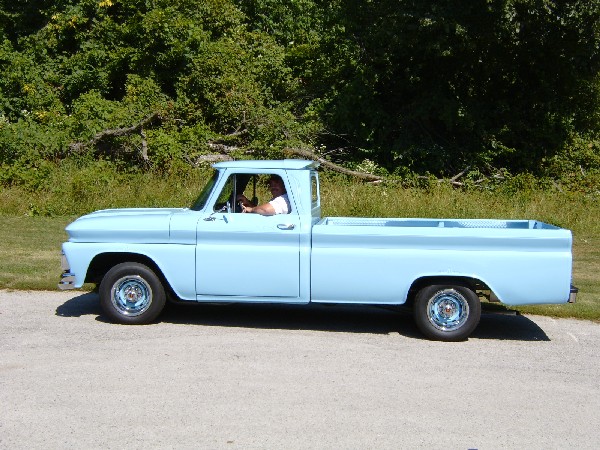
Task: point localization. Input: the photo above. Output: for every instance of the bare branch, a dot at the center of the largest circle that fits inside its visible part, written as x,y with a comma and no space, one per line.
144,145
213,158
118,132
313,156
457,176
222,148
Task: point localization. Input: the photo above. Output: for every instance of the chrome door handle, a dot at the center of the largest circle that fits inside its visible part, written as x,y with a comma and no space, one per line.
286,226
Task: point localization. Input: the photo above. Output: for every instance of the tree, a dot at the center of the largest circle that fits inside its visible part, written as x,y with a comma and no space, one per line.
428,86
441,84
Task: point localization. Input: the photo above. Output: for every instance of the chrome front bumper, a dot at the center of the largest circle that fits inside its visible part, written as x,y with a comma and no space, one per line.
67,279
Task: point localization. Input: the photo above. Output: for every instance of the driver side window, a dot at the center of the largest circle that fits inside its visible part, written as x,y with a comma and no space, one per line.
251,186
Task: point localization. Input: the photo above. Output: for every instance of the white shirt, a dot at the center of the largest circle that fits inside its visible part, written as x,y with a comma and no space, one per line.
281,204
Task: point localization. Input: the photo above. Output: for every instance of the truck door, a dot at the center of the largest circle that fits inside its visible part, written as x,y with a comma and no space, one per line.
247,257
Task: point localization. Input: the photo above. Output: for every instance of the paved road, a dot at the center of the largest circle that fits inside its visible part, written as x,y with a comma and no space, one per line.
289,377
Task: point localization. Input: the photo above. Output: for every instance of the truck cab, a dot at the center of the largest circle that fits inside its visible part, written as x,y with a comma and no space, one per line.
267,256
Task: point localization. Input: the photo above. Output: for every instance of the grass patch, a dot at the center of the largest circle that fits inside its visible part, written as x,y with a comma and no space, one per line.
32,230
30,253
586,276
576,212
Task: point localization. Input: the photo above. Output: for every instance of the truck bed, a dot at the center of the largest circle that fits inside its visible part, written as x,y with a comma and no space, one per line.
438,223
376,260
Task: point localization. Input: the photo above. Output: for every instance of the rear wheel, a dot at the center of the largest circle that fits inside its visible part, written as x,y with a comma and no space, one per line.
447,312
131,293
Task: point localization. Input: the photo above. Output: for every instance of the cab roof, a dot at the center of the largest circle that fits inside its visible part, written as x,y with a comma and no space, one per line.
288,164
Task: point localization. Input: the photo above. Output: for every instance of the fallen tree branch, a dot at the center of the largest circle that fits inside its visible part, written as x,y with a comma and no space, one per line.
449,181
222,148
138,128
457,176
211,159
314,157
144,145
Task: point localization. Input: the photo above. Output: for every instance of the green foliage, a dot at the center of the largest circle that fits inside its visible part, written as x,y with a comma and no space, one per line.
415,88
577,165
442,84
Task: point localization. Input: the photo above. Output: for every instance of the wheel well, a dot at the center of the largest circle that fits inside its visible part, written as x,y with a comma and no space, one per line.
103,262
472,283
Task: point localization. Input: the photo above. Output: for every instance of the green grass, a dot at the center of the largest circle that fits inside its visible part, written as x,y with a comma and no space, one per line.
586,276
30,251
577,212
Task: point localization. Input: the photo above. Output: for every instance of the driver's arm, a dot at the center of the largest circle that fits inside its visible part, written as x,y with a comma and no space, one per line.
266,209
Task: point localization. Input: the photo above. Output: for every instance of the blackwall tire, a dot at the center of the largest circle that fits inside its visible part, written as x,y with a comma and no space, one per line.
131,293
447,312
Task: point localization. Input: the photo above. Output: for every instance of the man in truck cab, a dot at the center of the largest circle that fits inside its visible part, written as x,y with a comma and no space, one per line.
279,204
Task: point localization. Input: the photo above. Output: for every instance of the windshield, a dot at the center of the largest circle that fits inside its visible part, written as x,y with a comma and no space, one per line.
203,197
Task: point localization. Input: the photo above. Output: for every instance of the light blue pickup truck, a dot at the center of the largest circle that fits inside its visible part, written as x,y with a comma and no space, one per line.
216,252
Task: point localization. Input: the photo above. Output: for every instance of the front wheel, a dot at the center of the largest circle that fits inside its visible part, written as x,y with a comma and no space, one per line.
131,293
447,312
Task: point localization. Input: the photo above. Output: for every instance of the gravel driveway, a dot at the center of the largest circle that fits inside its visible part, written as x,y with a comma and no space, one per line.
260,376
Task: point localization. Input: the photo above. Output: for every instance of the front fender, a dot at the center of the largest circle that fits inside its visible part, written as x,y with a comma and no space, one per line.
176,262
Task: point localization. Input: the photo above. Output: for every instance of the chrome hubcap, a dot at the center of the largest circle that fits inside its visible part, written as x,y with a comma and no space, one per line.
448,310
131,295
